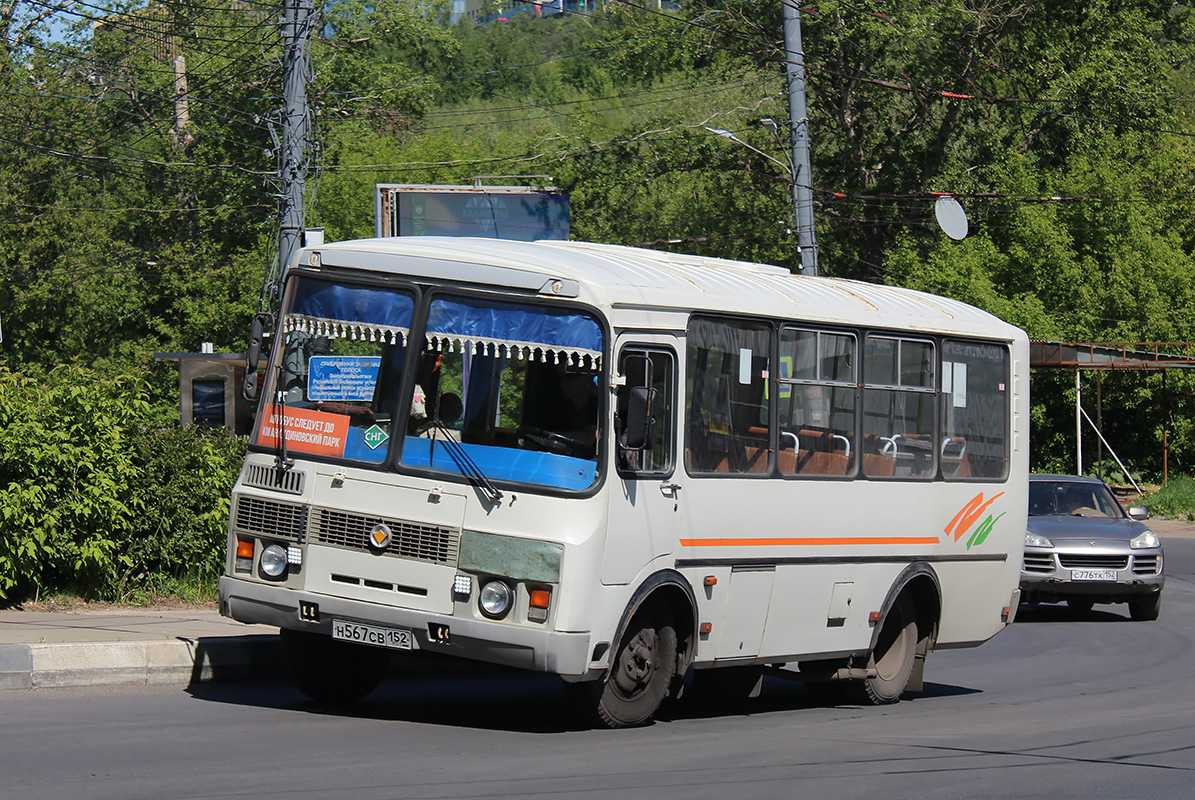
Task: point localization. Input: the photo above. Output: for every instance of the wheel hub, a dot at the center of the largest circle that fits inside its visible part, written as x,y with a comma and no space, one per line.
636,664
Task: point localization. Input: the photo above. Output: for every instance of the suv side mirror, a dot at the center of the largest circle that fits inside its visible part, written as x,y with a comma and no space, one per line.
1138,512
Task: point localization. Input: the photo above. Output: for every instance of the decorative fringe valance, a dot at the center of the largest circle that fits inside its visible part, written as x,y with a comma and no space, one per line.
343,329
554,354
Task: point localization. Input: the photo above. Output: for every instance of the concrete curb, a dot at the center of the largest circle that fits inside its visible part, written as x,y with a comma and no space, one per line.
179,662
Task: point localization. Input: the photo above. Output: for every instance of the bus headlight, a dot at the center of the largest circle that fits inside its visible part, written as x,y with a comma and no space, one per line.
273,561
494,599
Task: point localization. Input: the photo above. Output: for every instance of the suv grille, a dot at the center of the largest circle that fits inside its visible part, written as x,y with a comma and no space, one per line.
1038,562
1072,561
409,540
269,519
1145,565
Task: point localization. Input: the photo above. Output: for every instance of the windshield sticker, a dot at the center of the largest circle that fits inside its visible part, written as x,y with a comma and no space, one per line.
311,431
375,437
342,378
968,515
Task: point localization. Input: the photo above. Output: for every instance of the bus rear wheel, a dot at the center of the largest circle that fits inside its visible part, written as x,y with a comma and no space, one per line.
331,671
893,656
640,676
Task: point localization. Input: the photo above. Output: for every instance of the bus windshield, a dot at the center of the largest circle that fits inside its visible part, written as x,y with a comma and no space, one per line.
335,390
507,390
516,385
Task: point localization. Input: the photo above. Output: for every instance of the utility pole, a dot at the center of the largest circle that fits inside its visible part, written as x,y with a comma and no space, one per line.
799,127
182,114
296,36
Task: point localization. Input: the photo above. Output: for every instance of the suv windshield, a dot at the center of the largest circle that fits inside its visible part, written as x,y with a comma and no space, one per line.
517,385
1065,498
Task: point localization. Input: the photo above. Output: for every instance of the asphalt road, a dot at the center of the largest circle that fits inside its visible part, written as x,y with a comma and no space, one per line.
1056,706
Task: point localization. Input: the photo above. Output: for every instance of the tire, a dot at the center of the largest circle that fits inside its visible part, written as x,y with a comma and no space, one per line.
641,673
1146,609
892,658
1080,605
331,671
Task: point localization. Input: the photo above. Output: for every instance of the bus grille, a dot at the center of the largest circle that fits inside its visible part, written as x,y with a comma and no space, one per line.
266,477
409,540
269,519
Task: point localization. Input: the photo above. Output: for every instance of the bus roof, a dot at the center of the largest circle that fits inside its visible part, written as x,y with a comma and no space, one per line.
630,278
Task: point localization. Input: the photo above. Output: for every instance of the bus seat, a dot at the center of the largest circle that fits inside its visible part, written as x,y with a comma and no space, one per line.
877,465
758,459
819,462
954,451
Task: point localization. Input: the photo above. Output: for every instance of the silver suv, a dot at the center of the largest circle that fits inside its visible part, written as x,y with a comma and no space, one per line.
1082,548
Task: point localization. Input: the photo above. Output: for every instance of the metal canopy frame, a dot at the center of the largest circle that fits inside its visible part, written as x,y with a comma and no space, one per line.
1081,356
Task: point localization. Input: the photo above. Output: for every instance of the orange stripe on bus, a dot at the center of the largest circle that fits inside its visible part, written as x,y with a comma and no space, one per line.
810,541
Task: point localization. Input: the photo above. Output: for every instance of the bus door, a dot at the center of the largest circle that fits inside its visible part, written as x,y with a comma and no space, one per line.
645,514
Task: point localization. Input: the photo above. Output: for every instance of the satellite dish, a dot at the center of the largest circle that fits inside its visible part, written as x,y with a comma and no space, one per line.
951,217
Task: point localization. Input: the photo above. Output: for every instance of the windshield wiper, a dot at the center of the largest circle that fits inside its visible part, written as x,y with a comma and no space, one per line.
467,465
281,462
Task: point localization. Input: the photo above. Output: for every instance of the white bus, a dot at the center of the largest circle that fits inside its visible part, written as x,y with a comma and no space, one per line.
625,467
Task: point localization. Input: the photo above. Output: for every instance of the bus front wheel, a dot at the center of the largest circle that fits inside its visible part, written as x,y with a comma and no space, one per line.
892,659
641,673
330,671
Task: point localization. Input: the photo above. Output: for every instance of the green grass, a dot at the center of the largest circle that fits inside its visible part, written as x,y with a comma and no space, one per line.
1175,500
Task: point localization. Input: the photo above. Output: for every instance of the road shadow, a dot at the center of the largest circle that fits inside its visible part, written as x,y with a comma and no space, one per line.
483,697
1034,613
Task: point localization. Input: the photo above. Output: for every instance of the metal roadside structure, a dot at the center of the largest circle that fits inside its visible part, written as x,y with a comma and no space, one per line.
210,389
520,213
1103,356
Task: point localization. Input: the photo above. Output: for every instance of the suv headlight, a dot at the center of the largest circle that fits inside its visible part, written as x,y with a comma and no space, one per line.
1145,539
1036,540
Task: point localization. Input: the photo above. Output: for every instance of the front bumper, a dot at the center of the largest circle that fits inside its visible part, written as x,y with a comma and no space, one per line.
1050,575
492,642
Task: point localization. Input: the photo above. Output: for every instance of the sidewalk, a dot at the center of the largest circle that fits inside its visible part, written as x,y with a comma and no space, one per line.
43,649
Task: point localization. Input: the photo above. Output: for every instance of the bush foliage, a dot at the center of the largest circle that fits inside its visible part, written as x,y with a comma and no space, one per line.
1175,500
96,496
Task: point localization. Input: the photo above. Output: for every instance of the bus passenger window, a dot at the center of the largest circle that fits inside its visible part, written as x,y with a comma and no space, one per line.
726,397
974,409
817,403
898,408
643,427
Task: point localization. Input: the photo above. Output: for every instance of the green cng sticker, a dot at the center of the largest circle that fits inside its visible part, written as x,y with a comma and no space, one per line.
375,436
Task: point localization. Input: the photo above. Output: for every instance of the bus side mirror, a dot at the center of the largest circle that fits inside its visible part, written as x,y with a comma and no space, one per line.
250,387
640,427
256,333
